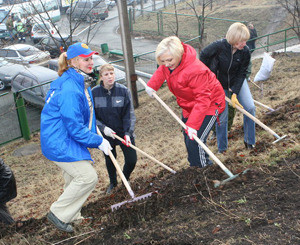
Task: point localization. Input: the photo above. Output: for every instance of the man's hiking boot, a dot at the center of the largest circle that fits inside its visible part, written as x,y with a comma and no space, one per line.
59,224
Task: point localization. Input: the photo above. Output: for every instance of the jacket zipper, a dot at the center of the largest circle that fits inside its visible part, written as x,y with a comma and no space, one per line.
229,67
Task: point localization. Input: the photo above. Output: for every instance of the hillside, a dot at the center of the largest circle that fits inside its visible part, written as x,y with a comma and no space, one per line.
259,207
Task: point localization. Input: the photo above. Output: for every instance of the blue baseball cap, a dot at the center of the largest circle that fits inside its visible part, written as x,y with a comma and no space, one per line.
79,49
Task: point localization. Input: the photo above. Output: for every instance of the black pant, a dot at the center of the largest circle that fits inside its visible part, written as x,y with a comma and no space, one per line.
196,154
5,216
130,161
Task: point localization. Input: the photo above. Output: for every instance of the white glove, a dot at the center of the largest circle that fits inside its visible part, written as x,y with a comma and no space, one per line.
109,132
105,146
150,91
191,132
127,140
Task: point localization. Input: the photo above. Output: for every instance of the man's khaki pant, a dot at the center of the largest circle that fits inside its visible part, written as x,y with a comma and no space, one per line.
80,180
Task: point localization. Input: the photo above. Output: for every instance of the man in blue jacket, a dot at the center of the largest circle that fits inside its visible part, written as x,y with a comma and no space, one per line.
68,128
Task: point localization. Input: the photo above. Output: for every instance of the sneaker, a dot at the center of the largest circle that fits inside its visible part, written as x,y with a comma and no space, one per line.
248,146
110,188
59,224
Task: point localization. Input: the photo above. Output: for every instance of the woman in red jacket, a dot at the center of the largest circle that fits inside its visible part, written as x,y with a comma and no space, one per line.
197,90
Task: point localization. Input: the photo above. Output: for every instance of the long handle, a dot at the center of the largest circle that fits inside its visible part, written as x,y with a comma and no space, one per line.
226,170
263,105
145,154
255,84
117,166
254,119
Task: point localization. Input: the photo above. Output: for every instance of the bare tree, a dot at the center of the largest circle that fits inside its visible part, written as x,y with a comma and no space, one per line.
293,8
202,17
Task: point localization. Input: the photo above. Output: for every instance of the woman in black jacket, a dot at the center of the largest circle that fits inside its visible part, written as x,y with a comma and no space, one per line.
8,191
229,59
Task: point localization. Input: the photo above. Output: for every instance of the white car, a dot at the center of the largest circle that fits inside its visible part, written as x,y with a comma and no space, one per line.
42,29
98,62
25,54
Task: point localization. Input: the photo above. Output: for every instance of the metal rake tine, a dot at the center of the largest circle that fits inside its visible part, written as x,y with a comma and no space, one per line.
136,199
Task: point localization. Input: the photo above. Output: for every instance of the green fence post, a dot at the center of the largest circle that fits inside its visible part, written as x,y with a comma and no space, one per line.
285,41
158,26
130,19
161,23
23,122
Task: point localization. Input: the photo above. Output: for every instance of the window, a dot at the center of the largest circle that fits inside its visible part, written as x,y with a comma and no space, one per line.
27,51
27,82
18,80
8,53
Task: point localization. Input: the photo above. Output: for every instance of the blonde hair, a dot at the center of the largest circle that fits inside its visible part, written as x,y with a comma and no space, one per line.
170,44
63,63
105,67
237,32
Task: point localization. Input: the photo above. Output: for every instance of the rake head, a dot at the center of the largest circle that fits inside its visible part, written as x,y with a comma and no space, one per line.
223,182
278,139
134,199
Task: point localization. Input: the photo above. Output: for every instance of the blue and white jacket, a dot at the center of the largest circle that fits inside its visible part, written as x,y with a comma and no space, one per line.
114,109
65,134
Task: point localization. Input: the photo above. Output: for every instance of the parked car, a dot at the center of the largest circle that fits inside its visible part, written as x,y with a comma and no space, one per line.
55,45
130,2
88,10
7,71
110,3
25,54
32,76
98,61
42,29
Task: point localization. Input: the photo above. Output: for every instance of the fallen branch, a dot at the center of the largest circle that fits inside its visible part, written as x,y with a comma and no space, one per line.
70,238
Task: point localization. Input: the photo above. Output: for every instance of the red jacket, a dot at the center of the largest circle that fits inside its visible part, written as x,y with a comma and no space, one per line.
197,90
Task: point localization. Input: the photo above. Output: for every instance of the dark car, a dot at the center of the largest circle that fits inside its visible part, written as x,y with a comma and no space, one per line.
131,2
88,10
55,45
32,76
7,71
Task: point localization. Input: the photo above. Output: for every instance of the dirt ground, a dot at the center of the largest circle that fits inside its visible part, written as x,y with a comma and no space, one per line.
259,206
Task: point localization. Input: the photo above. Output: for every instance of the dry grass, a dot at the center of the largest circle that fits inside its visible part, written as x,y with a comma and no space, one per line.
261,13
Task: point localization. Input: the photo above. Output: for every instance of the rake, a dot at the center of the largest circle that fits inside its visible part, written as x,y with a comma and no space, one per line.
145,154
265,127
265,106
208,151
125,182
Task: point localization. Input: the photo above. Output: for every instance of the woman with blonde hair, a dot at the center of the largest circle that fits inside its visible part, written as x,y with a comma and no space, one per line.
68,129
198,93
229,58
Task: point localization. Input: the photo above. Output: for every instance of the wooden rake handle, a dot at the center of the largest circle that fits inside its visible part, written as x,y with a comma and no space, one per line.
120,172
145,154
226,170
265,127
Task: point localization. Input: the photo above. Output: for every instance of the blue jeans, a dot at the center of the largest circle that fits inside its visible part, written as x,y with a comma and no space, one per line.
246,100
